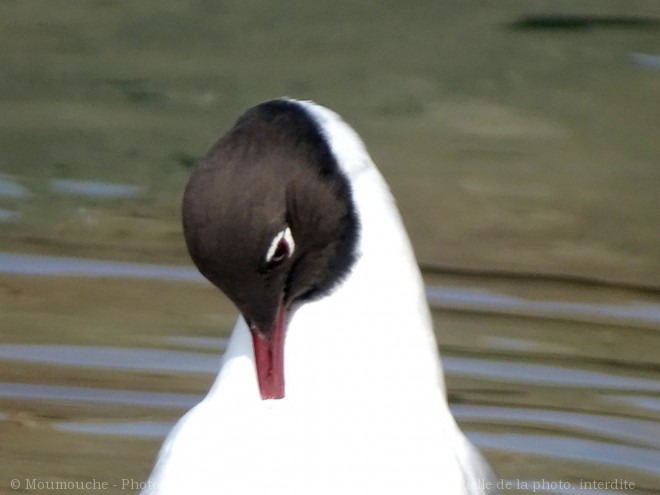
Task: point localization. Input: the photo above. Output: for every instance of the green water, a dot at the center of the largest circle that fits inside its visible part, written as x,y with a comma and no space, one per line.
524,156
531,150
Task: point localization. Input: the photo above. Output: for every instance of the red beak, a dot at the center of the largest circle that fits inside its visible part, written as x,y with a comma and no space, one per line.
269,357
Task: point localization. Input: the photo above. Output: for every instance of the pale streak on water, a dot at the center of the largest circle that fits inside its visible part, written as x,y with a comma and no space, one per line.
472,299
601,440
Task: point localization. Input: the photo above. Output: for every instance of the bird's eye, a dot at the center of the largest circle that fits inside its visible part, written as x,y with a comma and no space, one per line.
281,247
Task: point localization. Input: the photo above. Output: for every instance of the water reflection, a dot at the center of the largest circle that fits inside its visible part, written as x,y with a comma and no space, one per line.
543,374
8,216
642,313
515,397
213,343
11,188
85,395
94,189
615,428
572,448
112,358
146,429
646,60
22,264
561,21
651,404
472,299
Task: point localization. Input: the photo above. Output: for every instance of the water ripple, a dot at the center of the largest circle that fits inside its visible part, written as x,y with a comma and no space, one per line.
10,188
24,264
82,395
544,374
576,449
643,314
617,428
113,358
142,429
482,300
95,189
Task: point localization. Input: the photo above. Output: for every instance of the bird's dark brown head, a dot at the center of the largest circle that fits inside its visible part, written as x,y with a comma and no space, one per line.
268,215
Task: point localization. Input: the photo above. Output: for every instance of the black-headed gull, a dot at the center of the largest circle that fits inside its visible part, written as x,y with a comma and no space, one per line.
331,382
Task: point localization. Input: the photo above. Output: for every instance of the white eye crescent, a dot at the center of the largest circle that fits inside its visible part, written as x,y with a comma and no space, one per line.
281,247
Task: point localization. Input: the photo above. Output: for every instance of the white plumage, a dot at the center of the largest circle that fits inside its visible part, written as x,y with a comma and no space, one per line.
365,409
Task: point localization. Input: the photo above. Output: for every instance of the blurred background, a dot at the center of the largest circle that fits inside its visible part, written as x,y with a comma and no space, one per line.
521,139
